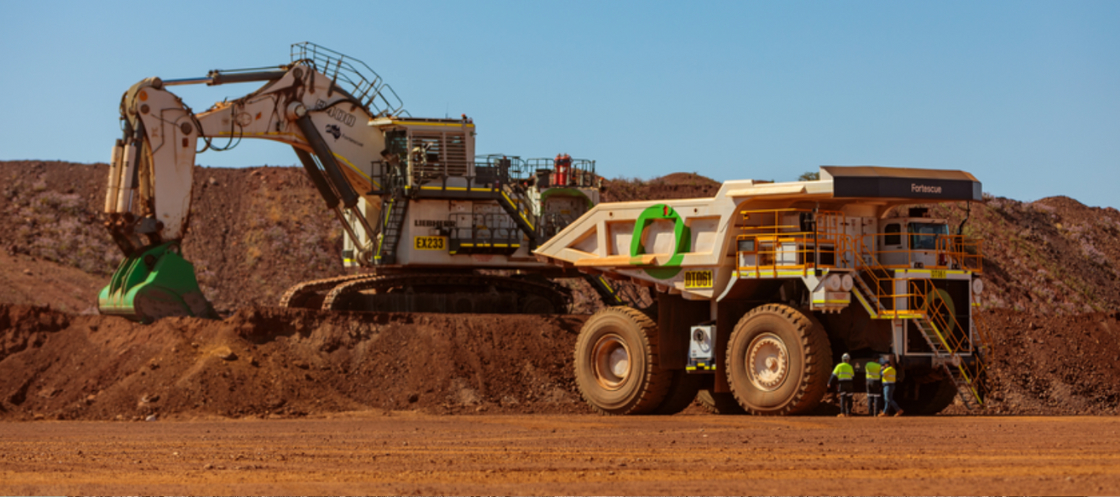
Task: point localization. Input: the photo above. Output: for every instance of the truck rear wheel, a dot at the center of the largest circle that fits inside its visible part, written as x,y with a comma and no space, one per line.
616,363
719,403
682,391
925,399
778,361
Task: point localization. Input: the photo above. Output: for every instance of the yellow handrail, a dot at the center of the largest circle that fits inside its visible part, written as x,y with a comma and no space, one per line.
772,239
966,251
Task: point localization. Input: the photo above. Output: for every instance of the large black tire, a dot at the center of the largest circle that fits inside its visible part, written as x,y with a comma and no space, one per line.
925,399
616,363
778,361
719,403
682,391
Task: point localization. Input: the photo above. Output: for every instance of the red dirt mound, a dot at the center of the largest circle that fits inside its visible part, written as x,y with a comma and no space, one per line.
286,362
1055,365
30,280
1051,256
253,232
676,185
272,361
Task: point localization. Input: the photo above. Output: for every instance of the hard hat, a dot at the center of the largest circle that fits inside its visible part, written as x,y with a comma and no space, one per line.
883,360
845,357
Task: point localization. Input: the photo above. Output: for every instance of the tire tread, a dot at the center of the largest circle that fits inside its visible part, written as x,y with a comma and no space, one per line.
659,381
818,357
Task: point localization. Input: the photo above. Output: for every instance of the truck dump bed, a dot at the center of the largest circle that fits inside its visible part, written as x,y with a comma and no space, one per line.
668,242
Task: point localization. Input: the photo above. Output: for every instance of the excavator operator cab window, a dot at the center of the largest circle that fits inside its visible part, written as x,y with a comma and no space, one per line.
396,142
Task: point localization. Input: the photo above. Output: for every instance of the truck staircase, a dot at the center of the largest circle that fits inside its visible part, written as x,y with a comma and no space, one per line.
870,275
392,224
518,209
969,388
868,295
969,374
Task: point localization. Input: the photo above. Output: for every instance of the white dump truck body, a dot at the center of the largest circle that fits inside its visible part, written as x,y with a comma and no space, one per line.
852,255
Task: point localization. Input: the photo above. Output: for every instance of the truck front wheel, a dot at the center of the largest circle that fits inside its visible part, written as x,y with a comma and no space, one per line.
778,361
616,363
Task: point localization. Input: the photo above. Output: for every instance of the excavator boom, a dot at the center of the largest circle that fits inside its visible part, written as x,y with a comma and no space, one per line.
147,203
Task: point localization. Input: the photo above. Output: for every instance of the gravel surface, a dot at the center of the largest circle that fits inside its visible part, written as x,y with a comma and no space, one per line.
415,454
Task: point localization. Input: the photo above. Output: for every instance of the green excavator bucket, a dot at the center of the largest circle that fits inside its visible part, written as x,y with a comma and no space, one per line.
153,284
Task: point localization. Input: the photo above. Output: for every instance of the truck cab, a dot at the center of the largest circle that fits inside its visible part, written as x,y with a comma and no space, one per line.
916,241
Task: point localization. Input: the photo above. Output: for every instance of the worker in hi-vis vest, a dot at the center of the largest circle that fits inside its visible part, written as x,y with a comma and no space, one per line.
843,374
890,379
873,380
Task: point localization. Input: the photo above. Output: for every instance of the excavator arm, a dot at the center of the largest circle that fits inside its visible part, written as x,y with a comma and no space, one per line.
318,104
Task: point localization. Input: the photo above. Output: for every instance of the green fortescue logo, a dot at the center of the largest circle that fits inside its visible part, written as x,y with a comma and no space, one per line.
681,233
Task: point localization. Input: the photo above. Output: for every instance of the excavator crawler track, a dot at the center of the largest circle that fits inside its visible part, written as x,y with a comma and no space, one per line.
310,294
434,292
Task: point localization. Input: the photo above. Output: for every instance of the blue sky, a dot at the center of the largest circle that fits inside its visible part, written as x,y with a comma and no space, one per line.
1025,95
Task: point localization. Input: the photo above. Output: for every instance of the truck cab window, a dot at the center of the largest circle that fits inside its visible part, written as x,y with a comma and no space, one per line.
923,236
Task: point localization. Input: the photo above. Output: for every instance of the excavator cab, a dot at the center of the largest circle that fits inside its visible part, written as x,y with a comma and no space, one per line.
914,242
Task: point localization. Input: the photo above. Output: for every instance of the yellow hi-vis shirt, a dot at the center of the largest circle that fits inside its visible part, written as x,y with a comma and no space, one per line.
872,369
844,371
888,375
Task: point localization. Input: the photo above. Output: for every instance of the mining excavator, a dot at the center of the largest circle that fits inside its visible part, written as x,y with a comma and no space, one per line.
762,288
429,226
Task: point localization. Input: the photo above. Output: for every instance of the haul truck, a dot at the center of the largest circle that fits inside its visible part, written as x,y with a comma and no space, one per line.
421,213
763,287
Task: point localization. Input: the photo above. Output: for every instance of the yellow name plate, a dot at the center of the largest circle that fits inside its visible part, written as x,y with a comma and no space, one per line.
429,243
698,279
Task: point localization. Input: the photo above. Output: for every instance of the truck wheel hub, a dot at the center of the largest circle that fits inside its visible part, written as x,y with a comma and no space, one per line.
767,362
612,362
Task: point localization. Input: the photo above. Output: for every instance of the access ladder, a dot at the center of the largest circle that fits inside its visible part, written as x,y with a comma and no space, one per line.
392,225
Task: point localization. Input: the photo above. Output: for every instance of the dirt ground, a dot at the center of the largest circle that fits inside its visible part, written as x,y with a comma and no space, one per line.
290,363
274,362
408,453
